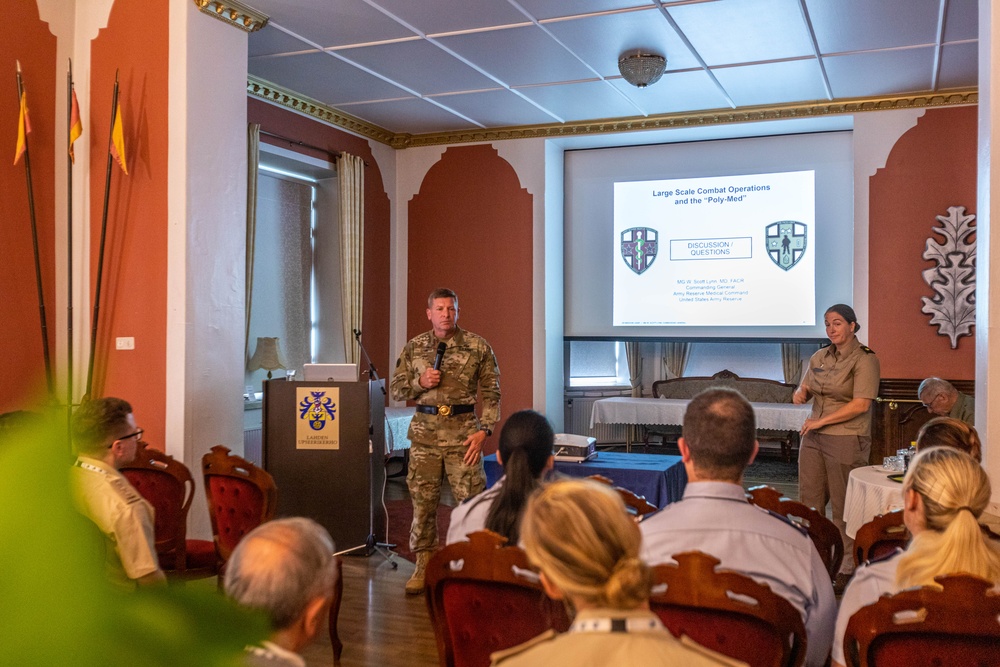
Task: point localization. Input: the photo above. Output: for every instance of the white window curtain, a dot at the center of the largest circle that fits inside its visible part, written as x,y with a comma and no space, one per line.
791,362
634,356
253,161
351,182
675,359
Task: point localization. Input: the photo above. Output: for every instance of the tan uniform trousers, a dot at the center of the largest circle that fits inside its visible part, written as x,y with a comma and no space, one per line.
825,463
428,464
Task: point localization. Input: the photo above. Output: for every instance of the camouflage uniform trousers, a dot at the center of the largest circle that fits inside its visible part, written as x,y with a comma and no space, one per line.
428,464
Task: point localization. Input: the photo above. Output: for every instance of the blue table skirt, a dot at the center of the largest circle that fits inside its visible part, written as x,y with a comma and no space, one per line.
660,478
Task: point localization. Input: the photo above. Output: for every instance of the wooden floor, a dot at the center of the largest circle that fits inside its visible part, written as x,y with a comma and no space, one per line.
378,623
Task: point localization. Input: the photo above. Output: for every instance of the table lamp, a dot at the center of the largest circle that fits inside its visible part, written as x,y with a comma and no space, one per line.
267,356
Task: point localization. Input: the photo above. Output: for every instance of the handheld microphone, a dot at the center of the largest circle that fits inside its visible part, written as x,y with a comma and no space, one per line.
439,356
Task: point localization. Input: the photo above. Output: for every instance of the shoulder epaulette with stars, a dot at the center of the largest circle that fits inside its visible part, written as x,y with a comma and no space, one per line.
867,349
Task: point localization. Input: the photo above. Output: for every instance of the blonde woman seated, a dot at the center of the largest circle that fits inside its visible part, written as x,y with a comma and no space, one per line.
948,432
944,493
579,535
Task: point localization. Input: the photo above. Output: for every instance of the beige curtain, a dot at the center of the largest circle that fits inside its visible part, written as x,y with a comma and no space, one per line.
791,362
253,160
634,357
351,183
675,359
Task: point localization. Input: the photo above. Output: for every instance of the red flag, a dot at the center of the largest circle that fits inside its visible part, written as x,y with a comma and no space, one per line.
23,129
75,125
118,140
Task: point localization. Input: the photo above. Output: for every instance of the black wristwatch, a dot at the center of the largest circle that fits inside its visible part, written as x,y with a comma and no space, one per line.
487,431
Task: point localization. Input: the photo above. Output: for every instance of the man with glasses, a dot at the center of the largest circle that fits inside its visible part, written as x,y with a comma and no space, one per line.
106,438
942,400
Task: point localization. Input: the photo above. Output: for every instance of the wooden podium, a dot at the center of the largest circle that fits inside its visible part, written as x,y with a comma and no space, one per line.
340,488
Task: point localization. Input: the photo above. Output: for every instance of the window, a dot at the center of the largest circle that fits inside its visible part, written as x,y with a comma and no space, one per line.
597,364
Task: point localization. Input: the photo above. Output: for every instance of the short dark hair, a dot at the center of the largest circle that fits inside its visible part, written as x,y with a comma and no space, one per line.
97,421
720,430
280,567
441,293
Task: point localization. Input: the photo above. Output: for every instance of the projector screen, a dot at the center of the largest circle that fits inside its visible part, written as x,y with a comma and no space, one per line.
736,239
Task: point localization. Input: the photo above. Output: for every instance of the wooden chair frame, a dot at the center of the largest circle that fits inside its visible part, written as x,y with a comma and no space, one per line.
884,530
169,548
823,532
637,505
695,583
483,558
964,609
220,463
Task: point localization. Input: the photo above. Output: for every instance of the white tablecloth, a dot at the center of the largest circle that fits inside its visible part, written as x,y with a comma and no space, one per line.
870,492
397,423
622,410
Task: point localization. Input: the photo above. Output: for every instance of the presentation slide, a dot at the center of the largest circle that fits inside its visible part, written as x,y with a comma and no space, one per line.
716,251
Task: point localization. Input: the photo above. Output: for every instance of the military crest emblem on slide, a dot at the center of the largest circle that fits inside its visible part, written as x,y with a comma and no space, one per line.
785,242
318,409
639,248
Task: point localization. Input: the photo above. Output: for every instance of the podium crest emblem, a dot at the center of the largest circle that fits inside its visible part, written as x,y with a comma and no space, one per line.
785,242
638,247
317,410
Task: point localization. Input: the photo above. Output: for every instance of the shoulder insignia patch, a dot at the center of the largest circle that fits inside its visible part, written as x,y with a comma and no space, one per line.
498,656
126,490
884,557
782,517
867,349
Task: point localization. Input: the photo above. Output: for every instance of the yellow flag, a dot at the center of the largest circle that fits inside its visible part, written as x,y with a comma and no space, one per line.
118,140
23,129
76,125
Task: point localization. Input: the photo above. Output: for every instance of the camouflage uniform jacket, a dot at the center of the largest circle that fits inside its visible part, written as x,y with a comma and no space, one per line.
468,366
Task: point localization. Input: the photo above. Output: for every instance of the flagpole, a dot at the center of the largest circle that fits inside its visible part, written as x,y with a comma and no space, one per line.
100,254
69,244
34,240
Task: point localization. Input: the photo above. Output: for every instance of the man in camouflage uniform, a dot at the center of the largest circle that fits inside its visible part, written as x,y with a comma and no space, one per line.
445,434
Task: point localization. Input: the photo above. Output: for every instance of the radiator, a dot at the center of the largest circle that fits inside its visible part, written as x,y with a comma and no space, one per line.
578,409
253,446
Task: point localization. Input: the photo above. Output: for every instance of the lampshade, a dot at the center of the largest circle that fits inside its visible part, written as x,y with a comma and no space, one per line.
642,69
267,356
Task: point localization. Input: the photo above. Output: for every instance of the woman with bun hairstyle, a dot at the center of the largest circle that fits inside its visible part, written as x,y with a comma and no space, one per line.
578,533
842,381
525,452
944,493
948,432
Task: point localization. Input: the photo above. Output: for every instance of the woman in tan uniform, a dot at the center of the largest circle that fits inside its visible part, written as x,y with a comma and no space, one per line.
587,547
842,380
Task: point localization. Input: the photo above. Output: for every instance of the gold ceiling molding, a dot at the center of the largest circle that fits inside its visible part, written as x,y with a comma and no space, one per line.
268,91
234,13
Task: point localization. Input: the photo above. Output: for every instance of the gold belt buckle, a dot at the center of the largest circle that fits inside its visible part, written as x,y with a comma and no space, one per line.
444,410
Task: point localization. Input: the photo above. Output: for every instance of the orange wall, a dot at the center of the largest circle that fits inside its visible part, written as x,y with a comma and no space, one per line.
470,229
134,289
375,328
931,167
20,323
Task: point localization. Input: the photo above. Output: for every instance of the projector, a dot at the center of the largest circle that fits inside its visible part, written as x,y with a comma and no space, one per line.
575,448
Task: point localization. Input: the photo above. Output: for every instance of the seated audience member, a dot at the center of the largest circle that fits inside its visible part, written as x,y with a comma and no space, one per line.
718,441
525,453
105,437
578,533
944,493
286,569
941,398
948,432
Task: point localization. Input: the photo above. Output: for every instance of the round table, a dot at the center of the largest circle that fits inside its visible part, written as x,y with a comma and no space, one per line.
870,492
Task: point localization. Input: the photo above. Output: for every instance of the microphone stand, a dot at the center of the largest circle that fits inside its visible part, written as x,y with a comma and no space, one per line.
372,545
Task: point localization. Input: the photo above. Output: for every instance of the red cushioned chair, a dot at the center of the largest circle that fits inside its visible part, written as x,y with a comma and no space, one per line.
241,496
470,585
727,612
823,532
958,624
880,537
169,487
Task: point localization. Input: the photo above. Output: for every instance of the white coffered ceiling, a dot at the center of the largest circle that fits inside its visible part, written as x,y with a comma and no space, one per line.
422,66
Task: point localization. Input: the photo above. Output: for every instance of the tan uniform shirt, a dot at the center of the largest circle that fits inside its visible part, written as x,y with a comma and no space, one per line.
468,368
964,409
834,379
105,497
650,644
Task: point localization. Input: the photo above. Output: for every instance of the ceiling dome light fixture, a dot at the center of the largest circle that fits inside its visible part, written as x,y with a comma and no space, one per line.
642,69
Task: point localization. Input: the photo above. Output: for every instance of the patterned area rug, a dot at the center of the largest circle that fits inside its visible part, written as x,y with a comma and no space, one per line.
400,518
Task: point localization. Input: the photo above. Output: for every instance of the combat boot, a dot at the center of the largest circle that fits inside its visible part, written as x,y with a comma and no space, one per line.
415,586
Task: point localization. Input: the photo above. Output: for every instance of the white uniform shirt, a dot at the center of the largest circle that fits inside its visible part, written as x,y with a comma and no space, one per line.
715,517
470,516
870,582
